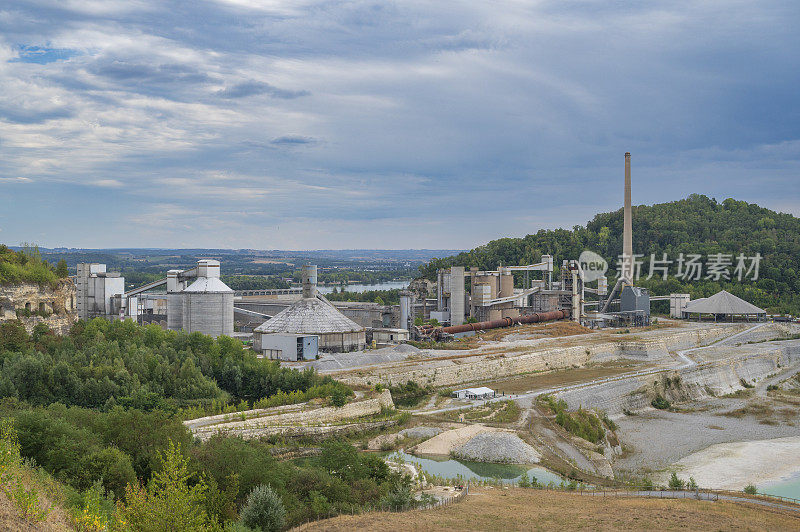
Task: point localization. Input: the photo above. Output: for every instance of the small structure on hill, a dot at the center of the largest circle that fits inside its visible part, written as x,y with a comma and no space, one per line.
724,306
474,393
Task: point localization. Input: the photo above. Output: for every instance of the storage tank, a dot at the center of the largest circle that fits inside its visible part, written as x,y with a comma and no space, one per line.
405,309
207,305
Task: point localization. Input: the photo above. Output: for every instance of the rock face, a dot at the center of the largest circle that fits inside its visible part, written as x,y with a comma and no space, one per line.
33,304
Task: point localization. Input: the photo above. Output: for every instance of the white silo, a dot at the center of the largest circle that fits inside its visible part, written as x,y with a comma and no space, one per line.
208,302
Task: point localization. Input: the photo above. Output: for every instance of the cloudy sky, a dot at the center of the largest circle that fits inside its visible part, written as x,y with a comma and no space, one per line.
349,124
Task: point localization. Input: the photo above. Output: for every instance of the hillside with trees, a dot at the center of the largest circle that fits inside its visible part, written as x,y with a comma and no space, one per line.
27,266
696,225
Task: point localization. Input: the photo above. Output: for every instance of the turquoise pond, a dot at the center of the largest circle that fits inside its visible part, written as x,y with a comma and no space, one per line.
786,488
450,468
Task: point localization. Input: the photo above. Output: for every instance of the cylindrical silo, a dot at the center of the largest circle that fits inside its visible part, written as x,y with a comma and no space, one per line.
309,275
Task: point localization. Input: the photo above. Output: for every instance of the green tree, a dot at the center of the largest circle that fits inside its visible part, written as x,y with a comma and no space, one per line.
264,510
168,502
675,483
61,269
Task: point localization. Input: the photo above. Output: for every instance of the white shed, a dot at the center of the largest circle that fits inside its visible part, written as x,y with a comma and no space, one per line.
286,346
474,393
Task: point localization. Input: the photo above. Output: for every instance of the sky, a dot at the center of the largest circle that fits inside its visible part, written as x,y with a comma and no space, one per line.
269,124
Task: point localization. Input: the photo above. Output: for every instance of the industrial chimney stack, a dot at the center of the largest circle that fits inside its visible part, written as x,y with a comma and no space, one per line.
309,281
627,235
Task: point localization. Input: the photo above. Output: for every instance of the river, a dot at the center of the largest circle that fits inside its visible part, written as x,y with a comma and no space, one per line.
392,285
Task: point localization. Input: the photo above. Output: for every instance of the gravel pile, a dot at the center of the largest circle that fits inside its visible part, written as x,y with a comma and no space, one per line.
405,349
421,432
497,447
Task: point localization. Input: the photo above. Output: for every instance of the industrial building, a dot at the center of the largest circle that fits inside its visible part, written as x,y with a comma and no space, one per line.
518,294
287,346
724,306
196,299
97,291
474,393
314,315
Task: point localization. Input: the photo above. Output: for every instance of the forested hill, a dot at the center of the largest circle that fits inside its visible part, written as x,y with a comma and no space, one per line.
695,225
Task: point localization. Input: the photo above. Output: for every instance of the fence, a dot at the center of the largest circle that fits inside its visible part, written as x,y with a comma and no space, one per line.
385,507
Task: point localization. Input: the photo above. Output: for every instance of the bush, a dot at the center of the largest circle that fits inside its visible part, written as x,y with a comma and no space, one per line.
660,403
264,510
692,485
750,489
675,483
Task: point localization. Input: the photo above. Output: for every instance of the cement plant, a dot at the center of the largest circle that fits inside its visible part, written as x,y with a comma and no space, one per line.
269,265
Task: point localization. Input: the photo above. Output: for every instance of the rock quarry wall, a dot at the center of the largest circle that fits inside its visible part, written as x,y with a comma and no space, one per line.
706,379
481,369
282,421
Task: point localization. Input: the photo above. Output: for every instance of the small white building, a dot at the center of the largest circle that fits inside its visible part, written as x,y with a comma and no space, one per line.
474,393
384,337
286,346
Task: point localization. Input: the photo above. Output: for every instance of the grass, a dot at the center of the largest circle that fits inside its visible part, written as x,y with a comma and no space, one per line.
524,509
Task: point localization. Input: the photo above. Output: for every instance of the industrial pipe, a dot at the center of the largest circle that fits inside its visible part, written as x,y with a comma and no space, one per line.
536,317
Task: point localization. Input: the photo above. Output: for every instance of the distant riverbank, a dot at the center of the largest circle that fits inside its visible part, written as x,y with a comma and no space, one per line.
358,288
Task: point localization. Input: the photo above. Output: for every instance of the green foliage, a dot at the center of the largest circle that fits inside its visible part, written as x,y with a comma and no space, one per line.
675,483
61,269
264,510
174,499
581,423
409,394
380,297
692,484
697,225
750,489
338,398
103,363
660,403
26,266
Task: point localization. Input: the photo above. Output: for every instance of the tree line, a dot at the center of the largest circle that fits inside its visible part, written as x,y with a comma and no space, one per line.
694,225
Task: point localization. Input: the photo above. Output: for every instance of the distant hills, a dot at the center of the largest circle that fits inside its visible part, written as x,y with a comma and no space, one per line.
695,225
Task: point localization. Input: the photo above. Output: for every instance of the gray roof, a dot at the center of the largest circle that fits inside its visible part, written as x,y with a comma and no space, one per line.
310,316
722,303
208,284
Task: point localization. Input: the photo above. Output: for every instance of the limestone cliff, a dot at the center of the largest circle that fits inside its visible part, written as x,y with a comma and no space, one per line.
33,303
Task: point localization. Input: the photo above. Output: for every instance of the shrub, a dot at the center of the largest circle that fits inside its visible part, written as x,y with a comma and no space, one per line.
675,483
338,398
264,510
750,489
692,485
660,403
168,503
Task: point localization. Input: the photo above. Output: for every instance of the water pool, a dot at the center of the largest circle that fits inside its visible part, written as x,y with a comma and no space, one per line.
451,468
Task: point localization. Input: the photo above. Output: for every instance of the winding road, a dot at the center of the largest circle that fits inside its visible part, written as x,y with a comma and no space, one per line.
686,362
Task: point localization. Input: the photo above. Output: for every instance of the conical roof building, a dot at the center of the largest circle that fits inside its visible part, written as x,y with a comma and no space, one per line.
315,315
724,304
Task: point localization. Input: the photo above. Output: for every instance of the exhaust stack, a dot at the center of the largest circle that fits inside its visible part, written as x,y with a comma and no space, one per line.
627,235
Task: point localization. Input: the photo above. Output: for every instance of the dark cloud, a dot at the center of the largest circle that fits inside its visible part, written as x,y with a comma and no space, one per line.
253,88
33,116
126,71
293,141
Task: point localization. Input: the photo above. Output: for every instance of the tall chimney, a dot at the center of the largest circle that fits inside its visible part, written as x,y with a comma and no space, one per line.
627,235
309,281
